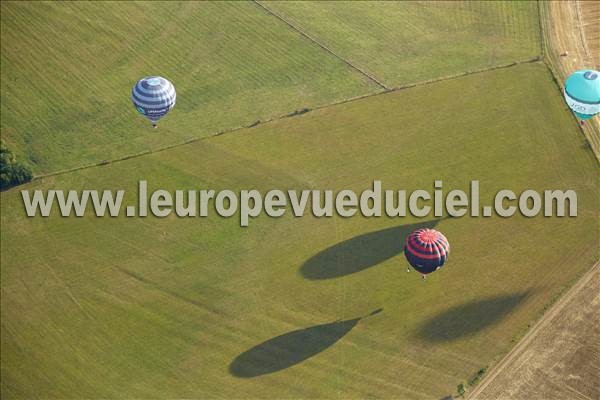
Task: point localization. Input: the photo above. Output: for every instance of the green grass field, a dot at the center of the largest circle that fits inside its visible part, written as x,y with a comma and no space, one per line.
406,42
182,308
68,69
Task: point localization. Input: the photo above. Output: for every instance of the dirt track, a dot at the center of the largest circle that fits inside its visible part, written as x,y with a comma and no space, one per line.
559,358
571,31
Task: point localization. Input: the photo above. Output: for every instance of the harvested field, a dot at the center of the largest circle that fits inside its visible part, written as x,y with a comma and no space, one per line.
561,357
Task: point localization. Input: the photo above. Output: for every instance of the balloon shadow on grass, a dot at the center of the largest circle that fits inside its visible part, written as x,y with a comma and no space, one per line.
360,252
291,348
470,318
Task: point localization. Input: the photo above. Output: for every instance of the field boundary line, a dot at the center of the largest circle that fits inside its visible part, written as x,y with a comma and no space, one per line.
542,323
541,29
321,45
466,73
277,118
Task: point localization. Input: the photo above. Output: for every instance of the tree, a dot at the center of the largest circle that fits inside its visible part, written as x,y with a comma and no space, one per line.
461,389
11,171
477,377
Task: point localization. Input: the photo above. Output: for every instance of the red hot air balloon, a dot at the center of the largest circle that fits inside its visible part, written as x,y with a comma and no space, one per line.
426,250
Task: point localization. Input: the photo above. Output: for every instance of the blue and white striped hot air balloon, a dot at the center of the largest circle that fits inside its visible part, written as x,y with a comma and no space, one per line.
582,93
153,97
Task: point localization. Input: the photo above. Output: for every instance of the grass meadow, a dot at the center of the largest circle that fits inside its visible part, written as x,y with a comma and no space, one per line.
402,43
68,68
201,308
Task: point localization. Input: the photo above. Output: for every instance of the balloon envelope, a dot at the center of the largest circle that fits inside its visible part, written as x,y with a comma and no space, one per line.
582,93
426,250
153,97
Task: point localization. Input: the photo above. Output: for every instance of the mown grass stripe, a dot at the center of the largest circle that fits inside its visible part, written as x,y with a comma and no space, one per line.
321,45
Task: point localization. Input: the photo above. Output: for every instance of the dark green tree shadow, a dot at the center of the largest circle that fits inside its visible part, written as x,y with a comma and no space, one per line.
291,348
360,252
469,318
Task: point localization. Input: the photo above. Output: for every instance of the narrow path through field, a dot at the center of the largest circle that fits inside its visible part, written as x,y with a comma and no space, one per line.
533,334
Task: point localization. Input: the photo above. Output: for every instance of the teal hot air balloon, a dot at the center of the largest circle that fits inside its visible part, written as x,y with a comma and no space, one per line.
582,93
153,97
